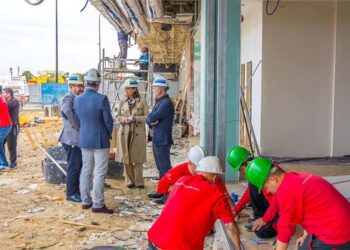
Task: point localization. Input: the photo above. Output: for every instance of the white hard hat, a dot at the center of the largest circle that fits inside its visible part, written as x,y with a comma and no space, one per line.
160,82
210,164
196,154
131,83
92,76
75,78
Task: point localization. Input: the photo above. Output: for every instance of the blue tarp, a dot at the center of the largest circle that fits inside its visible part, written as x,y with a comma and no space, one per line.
52,93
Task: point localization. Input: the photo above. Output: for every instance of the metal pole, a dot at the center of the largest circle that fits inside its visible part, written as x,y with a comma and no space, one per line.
56,42
221,68
99,38
103,72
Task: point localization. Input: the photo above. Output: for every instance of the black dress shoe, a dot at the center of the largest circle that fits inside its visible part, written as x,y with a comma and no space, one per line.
140,186
87,206
130,186
155,195
103,209
74,198
159,201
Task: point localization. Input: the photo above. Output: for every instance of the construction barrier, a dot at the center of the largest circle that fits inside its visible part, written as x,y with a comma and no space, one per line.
47,93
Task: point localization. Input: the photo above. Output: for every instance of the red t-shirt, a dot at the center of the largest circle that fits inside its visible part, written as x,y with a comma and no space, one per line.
5,119
174,174
316,205
189,214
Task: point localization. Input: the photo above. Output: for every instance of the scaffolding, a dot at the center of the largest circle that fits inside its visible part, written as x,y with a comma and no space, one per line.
115,71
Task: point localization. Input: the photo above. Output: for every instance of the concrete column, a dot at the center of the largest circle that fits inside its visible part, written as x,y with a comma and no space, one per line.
220,66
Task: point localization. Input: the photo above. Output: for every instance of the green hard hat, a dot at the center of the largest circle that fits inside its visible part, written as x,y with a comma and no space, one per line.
237,156
257,172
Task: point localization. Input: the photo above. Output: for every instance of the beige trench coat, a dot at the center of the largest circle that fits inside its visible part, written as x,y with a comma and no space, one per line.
136,151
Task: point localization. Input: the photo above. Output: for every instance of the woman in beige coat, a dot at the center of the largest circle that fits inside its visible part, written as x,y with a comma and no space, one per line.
131,142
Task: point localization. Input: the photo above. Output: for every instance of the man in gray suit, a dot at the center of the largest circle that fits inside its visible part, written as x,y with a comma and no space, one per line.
96,126
69,138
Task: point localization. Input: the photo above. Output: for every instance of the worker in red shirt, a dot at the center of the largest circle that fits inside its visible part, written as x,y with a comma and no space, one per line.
307,200
193,206
188,168
238,157
195,154
5,128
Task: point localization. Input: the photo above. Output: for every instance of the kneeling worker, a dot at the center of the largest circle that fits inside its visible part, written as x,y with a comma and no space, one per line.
263,205
193,206
307,200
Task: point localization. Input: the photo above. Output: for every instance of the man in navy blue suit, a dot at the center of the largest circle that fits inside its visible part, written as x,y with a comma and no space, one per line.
161,121
96,125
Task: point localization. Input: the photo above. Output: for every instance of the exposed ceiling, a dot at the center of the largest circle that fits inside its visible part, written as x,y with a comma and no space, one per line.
161,25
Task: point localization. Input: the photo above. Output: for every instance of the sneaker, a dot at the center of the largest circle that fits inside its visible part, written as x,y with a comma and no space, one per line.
74,198
154,195
2,168
13,165
103,209
249,226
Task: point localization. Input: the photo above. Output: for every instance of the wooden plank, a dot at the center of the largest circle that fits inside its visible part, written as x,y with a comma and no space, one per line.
248,97
30,138
241,120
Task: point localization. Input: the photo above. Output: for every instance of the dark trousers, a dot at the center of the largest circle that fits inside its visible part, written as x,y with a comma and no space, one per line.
313,243
75,163
11,141
151,246
162,158
142,74
260,206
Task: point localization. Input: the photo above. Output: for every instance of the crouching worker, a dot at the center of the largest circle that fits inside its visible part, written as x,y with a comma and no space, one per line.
307,200
193,206
187,168
263,205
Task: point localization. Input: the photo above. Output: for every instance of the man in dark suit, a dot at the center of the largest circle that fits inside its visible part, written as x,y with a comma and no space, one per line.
11,139
96,125
161,121
70,136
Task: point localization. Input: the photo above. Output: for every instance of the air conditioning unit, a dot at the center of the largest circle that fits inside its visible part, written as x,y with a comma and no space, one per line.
177,131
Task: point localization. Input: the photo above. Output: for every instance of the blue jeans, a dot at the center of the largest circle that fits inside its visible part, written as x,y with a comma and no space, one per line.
4,131
75,163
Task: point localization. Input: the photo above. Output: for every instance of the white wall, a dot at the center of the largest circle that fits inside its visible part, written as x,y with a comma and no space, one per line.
251,50
341,138
297,79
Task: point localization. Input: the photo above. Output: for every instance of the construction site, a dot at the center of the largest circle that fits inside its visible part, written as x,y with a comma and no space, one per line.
270,77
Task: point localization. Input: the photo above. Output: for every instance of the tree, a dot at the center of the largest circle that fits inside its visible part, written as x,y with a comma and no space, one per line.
28,75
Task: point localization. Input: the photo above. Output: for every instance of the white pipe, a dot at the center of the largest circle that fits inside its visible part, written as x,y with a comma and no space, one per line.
154,8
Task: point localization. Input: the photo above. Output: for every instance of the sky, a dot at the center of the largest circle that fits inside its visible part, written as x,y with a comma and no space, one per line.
27,37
